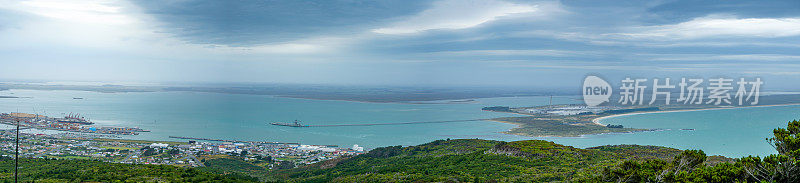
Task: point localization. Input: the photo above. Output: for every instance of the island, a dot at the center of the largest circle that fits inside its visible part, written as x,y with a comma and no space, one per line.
575,120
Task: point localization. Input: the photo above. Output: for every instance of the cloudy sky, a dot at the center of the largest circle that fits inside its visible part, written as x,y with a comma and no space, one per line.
442,42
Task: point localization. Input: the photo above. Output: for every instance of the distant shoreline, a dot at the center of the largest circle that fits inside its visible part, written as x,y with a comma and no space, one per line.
383,102
365,94
597,120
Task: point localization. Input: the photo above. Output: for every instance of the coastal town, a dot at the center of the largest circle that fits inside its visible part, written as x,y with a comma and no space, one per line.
193,153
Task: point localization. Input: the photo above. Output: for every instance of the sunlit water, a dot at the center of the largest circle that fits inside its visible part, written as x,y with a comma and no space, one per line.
733,132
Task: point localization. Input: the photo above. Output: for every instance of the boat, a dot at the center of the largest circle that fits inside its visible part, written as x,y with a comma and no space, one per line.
296,123
76,119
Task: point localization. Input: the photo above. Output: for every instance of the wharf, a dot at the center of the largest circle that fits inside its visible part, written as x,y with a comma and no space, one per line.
242,141
398,123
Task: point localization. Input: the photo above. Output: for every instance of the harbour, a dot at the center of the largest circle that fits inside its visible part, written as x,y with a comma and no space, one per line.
69,123
234,141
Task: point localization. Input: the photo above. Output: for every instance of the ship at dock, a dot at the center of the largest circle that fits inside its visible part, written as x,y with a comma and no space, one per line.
296,123
69,123
76,119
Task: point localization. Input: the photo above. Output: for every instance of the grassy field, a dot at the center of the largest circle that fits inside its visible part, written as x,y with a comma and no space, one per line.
537,127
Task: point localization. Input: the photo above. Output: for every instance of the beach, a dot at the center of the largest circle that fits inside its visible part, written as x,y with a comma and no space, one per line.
598,119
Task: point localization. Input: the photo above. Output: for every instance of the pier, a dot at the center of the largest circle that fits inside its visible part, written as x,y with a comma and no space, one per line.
398,123
20,128
240,141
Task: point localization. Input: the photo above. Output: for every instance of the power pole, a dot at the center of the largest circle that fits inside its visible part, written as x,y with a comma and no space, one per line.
16,154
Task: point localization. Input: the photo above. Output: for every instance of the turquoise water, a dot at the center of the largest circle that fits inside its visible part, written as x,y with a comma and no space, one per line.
246,117
732,132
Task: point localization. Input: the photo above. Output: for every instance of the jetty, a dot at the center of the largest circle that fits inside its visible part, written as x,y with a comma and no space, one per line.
240,141
390,123
295,124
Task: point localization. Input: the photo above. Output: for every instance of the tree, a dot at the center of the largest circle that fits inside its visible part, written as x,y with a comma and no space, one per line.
285,165
781,167
787,141
173,152
689,165
149,151
689,159
684,163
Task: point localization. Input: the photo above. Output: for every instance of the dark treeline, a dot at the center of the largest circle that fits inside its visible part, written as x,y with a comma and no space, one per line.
52,170
690,165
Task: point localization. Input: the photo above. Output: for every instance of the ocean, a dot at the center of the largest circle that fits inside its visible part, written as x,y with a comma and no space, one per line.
731,132
735,132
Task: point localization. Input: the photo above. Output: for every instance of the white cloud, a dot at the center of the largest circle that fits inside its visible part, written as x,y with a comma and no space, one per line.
773,73
716,26
541,52
117,26
85,24
714,57
95,12
318,45
709,31
455,14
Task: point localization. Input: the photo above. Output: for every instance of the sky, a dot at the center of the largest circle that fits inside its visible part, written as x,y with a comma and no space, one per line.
408,42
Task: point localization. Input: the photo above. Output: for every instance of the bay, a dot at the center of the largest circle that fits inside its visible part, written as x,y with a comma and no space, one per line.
729,132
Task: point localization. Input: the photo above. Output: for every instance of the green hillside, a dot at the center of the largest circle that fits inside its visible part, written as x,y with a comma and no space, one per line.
472,160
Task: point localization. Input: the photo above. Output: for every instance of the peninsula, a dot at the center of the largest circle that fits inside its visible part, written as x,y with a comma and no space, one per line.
575,120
